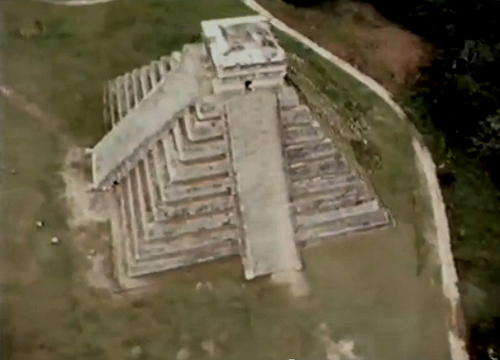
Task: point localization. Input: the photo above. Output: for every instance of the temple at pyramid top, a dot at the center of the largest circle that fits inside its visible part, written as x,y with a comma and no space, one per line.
243,52
243,47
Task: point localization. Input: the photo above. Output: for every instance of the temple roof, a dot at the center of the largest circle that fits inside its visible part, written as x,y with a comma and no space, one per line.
242,41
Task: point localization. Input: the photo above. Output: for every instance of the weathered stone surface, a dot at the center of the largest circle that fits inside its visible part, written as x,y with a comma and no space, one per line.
262,185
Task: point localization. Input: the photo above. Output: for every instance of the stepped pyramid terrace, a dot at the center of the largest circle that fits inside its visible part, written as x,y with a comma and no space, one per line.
210,154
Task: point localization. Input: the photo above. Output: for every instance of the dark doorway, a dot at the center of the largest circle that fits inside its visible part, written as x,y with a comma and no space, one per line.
248,85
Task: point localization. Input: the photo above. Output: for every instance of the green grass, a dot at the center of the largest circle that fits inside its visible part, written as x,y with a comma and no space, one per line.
85,46
366,287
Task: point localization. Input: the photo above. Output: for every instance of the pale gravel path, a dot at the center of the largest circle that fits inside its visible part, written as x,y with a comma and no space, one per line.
442,244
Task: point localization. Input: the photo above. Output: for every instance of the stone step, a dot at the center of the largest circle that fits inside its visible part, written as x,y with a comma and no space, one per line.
168,247
122,95
111,103
323,167
139,90
302,134
176,194
120,98
143,195
175,60
299,115
198,208
343,226
155,73
129,222
191,151
288,98
136,203
202,130
124,229
146,80
165,65
135,87
159,169
181,172
172,229
163,241
179,235
129,89
182,259
309,186
340,196
152,183
319,218
311,151
345,201
208,108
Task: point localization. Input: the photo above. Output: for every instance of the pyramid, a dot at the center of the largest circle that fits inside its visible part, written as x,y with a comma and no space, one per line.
211,154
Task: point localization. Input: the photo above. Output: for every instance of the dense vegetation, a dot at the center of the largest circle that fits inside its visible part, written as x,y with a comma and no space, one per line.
457,100
461,90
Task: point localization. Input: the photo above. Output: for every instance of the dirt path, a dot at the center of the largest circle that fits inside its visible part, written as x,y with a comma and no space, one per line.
442,243
50,121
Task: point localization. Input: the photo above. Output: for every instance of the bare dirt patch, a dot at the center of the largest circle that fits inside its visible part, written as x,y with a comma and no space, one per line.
86,207
96,275
296,281
336,350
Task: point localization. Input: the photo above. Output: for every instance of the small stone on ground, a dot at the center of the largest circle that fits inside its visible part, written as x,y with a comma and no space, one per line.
136,352
183,354
209,346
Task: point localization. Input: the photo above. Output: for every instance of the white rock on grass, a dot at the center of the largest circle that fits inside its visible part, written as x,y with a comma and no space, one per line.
209,346
54,241
136,352
183,354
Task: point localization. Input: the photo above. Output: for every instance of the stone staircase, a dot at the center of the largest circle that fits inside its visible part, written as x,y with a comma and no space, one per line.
177,207
124,93
328,198
138,106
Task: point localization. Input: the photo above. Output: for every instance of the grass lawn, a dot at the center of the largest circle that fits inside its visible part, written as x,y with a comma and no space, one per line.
374,288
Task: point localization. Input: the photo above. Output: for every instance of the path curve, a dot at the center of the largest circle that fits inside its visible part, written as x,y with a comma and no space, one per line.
449,274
